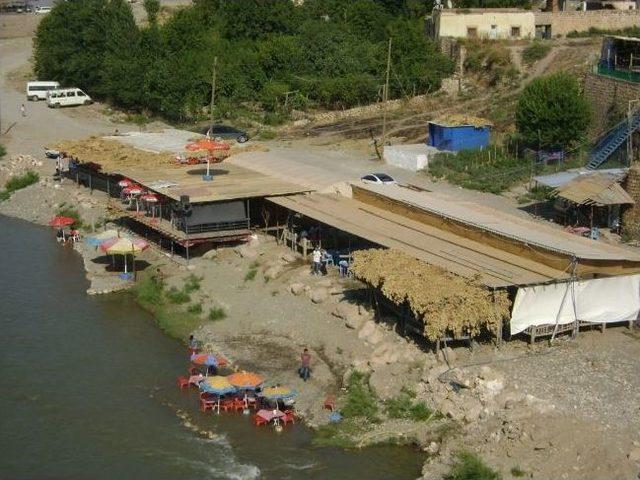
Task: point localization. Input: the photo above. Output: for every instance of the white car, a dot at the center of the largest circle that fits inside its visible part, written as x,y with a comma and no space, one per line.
42,10
378,179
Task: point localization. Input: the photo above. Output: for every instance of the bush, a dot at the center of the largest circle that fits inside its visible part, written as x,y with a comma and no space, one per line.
192,284
490,59
19,182
3,151
360,400
150,291
217,313
534,52
251,274
177,296
403,406
552,113
469,466
195,308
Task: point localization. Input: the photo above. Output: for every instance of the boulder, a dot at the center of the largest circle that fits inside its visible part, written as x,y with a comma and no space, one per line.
634,455
460,378
273,272
298,288
211,254
451,410
319,295
288,257
432,375
246,251
370,333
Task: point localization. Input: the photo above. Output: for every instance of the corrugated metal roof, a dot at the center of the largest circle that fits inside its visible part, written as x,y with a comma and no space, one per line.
555,180
598,189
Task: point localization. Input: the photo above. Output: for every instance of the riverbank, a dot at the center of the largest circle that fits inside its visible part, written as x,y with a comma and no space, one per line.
514,406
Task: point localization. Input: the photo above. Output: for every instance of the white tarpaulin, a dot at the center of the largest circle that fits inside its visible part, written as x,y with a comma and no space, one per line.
601,300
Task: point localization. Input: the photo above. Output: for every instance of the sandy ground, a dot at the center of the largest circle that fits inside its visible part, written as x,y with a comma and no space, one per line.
566,411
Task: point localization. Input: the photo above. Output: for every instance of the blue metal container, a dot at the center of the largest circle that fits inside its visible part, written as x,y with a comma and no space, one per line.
459,137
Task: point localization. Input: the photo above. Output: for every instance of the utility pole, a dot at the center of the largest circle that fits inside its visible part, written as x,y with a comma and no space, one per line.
386,99
213,88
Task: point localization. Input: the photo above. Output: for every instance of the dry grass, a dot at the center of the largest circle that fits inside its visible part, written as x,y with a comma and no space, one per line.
447,303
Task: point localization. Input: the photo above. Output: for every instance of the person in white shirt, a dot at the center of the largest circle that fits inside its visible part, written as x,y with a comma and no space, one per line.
317,261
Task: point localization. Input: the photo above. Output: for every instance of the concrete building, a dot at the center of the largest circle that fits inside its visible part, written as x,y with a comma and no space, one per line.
491,23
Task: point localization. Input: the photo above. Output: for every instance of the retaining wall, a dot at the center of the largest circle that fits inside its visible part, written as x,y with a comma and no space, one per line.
609,98
563,23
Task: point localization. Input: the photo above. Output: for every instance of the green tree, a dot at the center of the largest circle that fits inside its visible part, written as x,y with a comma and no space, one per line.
552,112
152,7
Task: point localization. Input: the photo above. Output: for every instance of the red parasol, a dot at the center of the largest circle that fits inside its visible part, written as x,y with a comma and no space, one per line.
133,190
150,198
125,182
206,144
59,222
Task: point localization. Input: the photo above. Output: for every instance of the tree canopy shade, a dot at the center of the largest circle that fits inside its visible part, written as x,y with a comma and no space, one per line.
552,112
322,53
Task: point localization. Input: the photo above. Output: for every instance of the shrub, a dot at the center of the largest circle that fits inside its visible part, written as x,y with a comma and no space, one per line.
360,400
178,296
469,466
3,151
552,113
150,291
195,308
217,313
403,406
251,274
490,59
192,284
518,472
19,182
534,52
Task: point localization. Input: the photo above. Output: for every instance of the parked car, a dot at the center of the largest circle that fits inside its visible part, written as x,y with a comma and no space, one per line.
42,10
67,97
378,179
38,90
226,132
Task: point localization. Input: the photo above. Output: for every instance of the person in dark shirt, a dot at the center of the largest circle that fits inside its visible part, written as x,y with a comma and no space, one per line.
305,360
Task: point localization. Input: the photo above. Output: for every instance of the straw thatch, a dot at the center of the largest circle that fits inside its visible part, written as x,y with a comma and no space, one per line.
113,155
446,303
458,119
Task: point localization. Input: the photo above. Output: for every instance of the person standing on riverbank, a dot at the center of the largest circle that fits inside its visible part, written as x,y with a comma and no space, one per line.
23,110
317,261
305,368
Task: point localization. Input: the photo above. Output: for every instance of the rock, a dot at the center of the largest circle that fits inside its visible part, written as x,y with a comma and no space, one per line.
634,455
384,354
319,295
451,410
211,254
386,380
432,449
472,410
288,257
246,252
510,404
354,321
273,272
298,288
191,268
460,379
432,375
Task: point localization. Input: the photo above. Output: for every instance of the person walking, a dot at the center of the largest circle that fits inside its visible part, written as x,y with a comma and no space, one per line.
23,110
317,261
305,367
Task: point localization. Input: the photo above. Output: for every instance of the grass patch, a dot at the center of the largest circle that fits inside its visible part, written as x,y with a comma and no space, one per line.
360,400
177,323
217,313
192,284
404,406
195,308
534,52
595,32
490,59
536,194
3,151
469,466
150,291
267,135
177,296
518,472
341,435
18,182
251,274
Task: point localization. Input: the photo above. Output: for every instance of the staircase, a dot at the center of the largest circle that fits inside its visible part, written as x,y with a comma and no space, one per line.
611,141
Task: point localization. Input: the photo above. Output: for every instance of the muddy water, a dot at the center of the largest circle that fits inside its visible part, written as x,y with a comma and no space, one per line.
87,391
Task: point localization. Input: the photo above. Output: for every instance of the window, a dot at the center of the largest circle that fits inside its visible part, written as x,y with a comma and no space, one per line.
472,32
81,93
515,32
71,94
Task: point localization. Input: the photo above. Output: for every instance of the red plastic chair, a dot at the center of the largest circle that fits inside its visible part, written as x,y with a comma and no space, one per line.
183,382
289,417
259,421
330,403
207,404
226,405
238,404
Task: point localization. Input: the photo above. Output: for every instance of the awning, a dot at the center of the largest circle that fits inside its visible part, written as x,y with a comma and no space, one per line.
600,300
598,189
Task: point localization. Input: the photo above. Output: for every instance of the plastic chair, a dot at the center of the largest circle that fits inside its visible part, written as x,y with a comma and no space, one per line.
208,404
329,403
238,404
289,417
259,421
252,402
226,405
183,382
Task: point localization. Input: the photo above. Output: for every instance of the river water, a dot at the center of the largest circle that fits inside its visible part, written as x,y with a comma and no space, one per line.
88,390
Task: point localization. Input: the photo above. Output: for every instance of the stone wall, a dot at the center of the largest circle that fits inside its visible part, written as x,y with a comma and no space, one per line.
631,217
609,98
563,23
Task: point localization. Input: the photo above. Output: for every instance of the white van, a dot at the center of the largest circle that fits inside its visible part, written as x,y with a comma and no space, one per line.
67,97
42,10
38,90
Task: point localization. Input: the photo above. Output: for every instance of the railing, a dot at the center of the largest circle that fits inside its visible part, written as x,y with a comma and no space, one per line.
628,75
216,227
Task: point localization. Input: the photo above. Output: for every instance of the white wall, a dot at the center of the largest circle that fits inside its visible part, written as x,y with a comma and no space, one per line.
456,24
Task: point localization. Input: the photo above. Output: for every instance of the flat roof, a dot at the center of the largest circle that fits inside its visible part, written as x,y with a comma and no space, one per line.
455,253
230,182
555,180
526,231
